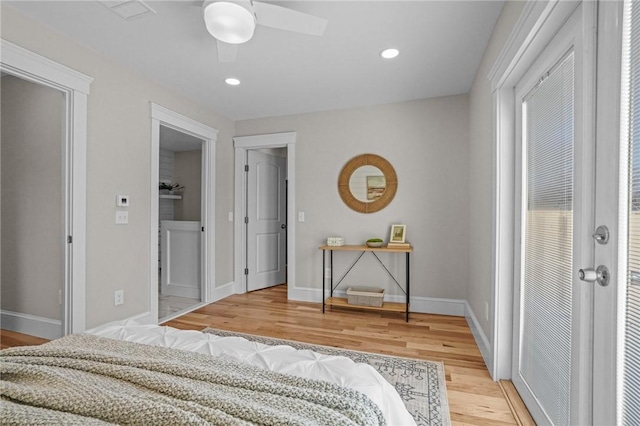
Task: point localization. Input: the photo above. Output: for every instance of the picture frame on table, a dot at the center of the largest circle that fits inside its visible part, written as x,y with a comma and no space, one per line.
398,234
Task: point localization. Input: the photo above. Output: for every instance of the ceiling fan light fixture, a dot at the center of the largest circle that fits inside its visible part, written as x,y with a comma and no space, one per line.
229,22
389,53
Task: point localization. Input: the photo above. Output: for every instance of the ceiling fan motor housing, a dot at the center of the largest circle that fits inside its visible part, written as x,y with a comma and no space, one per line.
229,21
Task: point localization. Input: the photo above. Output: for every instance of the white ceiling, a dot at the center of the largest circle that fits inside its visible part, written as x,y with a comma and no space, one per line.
441,44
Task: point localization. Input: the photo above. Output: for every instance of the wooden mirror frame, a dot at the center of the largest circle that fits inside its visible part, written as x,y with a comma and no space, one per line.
367,160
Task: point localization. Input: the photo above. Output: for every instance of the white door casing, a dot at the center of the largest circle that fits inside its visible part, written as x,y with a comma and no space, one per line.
575,367
165,117
538,24
242,144
267,220
608,169
75,86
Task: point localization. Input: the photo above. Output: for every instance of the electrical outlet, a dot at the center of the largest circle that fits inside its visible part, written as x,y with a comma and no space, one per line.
118,298
327,272
300,216
486,311
122,217
230,216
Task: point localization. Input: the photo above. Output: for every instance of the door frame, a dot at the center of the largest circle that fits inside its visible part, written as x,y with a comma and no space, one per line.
572,33
168,118
30,66
539,22
610,298
252,189
241,145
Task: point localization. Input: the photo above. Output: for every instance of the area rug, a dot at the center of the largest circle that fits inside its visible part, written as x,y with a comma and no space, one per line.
421,384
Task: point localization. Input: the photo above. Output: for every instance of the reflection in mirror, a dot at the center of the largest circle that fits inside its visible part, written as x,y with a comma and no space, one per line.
367,183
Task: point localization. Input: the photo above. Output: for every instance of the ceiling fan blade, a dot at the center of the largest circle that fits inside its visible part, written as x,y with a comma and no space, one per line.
282,18
226,52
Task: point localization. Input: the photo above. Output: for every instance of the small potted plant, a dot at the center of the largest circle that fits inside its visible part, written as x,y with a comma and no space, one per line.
374,242
170,188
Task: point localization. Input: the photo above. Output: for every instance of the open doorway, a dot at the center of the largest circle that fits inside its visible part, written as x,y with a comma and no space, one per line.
33,202
205,137
68,90
180,223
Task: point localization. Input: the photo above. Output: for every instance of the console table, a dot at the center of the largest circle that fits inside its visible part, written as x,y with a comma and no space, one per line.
342,301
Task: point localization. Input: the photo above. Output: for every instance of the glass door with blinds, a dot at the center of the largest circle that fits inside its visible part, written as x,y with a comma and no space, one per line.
552,321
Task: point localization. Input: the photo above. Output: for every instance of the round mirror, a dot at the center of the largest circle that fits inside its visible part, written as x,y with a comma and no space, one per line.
367,183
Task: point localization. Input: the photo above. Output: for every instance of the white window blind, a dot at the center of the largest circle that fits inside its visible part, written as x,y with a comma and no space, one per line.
630,307
546,295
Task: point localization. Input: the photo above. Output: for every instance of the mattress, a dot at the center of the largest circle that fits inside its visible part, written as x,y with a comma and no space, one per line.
283,359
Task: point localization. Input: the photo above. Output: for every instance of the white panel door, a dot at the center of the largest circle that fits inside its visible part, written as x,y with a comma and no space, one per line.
181,258
266,215
552,367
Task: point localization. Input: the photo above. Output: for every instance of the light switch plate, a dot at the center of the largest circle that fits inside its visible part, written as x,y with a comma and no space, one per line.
300,216
122,201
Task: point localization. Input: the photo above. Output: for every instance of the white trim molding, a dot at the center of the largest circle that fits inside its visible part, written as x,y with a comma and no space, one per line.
481,339
75,86
32,325
162,116
29,64
417,304
241,145
538,23
224,291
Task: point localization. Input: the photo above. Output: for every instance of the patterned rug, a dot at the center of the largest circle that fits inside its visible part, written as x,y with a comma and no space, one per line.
421,384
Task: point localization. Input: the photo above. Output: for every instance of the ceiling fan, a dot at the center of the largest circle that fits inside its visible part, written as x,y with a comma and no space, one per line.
233,22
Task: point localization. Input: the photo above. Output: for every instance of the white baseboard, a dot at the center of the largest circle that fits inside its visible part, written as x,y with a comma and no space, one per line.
219,293
480,337
223,291
143,318
434,305
31,324
418,304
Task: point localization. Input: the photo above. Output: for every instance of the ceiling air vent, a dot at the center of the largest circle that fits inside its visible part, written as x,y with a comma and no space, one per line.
129,10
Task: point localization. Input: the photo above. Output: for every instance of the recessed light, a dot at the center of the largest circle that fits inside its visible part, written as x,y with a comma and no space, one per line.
389,53
231,81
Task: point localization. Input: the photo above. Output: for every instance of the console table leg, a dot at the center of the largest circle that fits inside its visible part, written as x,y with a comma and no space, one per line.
323,283
408,291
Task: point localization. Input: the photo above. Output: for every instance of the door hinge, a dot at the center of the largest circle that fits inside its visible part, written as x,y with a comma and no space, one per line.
69,239
246,271
246,167
246,219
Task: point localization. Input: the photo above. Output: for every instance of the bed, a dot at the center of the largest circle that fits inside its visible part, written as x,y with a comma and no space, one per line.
212,379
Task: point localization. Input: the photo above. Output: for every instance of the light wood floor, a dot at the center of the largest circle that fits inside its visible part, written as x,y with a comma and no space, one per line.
474,399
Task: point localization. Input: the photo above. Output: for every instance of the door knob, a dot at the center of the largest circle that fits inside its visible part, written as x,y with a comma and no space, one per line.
600,275
283,226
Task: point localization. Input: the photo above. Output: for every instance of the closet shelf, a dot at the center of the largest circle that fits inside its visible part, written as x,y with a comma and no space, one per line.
171,197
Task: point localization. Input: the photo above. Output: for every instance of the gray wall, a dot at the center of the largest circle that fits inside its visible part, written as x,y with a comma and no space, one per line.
187,172
32,198
440,148
427,143
118,162
481,169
